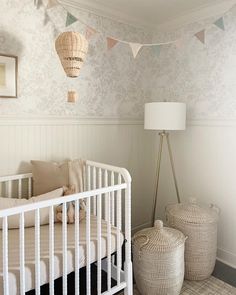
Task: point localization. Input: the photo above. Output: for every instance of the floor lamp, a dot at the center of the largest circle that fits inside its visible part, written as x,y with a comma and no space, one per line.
164,116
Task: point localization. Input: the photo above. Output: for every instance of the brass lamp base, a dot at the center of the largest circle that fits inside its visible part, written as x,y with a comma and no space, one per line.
163,135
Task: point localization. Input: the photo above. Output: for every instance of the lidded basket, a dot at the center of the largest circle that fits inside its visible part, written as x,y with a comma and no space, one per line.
158,258
71,48
199,224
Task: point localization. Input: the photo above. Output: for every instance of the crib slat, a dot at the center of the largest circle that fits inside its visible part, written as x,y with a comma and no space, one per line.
84,178
88,254
37,251
109,245
9,189
112,201
20,188
22,253
118,205
5,256
88,178
88,248
113,206
99,217
64,234
29,187
51,250
106,195
94,187
77,207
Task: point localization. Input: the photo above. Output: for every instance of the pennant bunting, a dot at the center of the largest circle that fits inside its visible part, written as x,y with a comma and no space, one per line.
51,3
157,49
201,36
89,33
135,48
111,43
220,23
70,19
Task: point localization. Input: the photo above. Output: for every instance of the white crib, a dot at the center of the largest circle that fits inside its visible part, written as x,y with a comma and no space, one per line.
108,203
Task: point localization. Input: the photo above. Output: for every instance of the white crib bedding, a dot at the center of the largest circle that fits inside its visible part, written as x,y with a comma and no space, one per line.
14,259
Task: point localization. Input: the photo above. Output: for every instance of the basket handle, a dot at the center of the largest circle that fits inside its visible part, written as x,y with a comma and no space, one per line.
215,208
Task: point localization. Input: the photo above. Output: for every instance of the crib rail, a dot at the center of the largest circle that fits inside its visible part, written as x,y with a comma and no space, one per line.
108,197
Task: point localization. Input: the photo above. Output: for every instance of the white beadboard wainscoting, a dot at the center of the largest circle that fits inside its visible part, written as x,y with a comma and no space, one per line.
119,142
205,157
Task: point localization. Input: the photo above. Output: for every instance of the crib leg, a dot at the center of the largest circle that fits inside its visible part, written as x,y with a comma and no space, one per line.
128,278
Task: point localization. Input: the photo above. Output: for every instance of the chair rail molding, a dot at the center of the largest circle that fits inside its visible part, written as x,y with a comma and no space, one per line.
60,120
75,120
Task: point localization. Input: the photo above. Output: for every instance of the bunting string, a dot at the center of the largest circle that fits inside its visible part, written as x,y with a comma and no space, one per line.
135,47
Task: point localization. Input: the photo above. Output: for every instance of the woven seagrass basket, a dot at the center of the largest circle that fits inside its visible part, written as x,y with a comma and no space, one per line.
199,224
158,257
72,48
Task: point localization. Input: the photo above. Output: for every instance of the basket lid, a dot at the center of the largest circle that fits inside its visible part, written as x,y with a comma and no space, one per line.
192,212
158,238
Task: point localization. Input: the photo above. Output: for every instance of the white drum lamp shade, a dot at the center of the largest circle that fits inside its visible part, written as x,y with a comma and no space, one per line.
165,116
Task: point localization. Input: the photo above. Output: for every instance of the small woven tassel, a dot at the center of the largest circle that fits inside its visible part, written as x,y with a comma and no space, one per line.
72,96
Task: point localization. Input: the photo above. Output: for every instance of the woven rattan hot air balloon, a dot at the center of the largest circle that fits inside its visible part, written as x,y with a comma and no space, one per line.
71,48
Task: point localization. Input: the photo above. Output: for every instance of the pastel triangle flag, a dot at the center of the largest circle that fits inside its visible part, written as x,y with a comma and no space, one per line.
51,3
90,32
70,19
220,23
157,49
135,48
111,42
201,36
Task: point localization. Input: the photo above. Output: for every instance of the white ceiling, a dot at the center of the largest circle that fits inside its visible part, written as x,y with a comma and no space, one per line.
154,13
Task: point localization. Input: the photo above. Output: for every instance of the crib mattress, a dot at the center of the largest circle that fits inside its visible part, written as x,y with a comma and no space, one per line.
14,258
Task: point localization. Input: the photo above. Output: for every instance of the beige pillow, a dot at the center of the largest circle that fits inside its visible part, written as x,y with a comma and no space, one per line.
48,176
76,174
13,221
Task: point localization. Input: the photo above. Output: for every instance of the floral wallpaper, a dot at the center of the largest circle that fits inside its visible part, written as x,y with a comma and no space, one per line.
112,84
203,76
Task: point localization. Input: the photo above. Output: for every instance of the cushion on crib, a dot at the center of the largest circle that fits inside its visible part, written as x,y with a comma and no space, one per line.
13,221
48,176
14,257
76,174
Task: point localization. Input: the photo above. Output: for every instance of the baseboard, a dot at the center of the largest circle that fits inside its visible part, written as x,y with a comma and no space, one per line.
226,257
